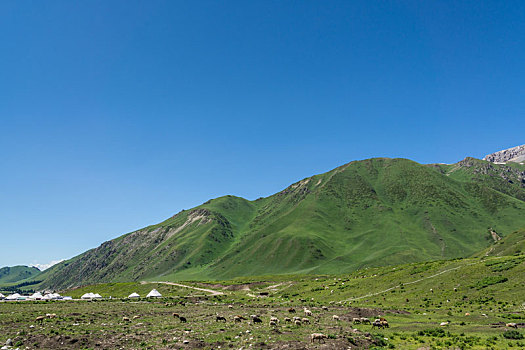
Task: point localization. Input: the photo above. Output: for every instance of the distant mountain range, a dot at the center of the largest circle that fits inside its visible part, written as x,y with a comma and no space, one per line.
372,212
17,273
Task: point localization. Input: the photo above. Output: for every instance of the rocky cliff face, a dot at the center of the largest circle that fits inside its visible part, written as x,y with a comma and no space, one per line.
515,154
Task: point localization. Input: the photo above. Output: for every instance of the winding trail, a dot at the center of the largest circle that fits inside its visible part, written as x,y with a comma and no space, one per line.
211,291
411,282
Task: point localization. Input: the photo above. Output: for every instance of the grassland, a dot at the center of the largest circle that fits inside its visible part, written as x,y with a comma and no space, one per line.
476,296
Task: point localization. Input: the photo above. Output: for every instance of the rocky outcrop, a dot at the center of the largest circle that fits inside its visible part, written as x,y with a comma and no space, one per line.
515,154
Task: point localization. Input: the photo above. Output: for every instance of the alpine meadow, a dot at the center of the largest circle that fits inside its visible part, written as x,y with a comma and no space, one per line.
262,175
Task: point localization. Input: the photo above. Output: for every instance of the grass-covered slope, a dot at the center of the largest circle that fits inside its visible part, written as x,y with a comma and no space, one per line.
513,245
10,274
366,213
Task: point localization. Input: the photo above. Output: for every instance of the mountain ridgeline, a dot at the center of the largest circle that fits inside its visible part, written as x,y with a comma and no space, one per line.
10,274
373,212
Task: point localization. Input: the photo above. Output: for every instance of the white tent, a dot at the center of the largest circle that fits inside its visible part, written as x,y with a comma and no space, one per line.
2,296
154,294
134,295
88,296
15,296
97,296
36,296
67,298
52,296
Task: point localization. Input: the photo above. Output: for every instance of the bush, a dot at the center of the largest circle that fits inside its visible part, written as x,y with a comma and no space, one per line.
432,332
488,281
513,334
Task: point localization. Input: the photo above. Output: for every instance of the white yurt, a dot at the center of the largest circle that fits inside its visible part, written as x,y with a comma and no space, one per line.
36,296
15,296
97,296
134,295
88,296
52,296
154,294
67,298
2,296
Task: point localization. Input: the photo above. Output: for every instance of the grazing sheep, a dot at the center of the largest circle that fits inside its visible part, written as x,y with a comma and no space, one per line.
238,318
256,320
307,312
272,323
455,289
296,318
40,319
291,310
136,316
305,320
336,318
230,306
176,315
365,320
287,320
318,336
220,318
126,319
274,319
182,319
356,320
324,308
467,313
377,324
512,325
431,290
444,324
51,315
297,322
385,324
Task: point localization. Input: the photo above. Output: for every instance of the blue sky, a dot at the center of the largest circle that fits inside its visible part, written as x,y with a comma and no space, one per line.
118,114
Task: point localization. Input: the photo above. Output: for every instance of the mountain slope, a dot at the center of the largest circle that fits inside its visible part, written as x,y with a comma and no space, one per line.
365,213
11,274
513,244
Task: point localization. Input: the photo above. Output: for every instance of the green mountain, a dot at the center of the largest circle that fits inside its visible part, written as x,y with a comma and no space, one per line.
17,273
374,212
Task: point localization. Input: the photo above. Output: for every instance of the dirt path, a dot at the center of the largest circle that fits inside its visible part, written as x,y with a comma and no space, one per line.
411,282
211,291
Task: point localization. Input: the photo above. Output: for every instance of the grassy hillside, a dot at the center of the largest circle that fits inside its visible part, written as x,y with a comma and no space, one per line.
17,273
511,245
368,213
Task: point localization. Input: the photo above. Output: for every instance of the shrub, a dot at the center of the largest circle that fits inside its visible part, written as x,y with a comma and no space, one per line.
488,281
432,332
513,334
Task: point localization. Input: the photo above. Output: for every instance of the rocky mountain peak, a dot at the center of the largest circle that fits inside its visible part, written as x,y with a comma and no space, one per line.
515,154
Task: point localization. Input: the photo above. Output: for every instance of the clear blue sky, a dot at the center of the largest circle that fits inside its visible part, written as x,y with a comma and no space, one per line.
118,114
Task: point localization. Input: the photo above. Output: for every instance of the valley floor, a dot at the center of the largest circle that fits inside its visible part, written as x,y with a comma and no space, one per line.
455,304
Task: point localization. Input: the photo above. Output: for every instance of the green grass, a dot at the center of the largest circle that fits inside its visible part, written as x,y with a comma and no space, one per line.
17,273
370,213
415,298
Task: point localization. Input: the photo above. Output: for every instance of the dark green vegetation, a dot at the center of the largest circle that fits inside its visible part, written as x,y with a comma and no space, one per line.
414,298
374,212
17,273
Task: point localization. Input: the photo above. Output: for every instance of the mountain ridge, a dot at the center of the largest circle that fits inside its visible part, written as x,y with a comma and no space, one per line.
514,154
373,212
10,274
